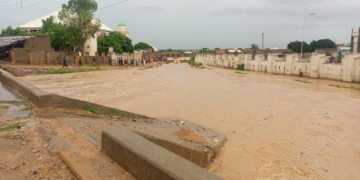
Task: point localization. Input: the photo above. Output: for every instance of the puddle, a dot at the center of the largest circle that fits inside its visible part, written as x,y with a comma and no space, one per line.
5,95
14,111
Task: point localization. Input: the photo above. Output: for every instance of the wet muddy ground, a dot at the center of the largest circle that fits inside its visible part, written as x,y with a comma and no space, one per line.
277,128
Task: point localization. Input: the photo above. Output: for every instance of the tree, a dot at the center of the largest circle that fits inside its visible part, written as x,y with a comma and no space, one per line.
348,45
254,47
78,16
119,42
217,48
296,46
204,50
47,24
322,43
141,46
10,31
61,37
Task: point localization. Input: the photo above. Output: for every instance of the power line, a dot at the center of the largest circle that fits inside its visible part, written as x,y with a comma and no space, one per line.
15,4
11,21
5,1
24,6
112,5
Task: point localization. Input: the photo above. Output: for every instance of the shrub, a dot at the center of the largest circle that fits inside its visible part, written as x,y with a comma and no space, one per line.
93,110
192,62
301,74
116,112
240,67
38,72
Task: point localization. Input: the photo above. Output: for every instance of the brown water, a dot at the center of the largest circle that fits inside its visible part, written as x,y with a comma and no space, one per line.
277,128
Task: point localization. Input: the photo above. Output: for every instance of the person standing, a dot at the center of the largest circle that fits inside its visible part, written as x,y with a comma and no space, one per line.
64,63
94,61
80,63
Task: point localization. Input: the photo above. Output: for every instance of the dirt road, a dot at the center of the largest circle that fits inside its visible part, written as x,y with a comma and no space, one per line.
278,128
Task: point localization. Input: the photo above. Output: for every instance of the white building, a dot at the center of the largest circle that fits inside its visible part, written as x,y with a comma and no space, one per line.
90,45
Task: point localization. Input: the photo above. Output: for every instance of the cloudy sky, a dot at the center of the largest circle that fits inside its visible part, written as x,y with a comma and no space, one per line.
188,24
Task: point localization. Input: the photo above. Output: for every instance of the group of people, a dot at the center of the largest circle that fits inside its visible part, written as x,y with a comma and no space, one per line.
96,61
332,59
125,62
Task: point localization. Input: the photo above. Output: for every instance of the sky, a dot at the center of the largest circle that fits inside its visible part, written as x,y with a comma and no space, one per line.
190,24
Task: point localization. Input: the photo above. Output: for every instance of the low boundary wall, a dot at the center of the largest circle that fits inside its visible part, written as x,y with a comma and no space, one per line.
147,161
316,66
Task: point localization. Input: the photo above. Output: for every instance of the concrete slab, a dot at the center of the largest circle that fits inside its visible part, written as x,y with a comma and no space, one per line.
148,161
159,131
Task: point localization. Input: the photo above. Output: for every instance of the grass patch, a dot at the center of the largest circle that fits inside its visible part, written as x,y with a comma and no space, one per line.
93,110
16,103
160,63
38,72
238,72
116,112
302,81
346,87
11,127
240,67
65,71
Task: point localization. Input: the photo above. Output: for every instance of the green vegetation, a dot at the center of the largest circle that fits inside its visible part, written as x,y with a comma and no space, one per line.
192,62
204,50
38,72
301,74
240,67
302,81
116,112
16,103
11,127
119,42
10,31
93,110
160,63
322,43
296,46
78,17
65,71
142,46
199,64
254,47
346,87
238,72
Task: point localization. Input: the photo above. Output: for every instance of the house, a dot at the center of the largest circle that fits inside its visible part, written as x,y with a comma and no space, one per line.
90,45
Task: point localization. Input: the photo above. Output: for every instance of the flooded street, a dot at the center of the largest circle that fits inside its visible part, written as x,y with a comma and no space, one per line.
277,128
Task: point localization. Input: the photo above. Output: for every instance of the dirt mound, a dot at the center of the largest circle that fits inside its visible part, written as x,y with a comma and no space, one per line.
187,135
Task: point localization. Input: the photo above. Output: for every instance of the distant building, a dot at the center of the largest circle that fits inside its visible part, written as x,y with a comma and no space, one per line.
355,40
122,28
90,45
171,54
340,45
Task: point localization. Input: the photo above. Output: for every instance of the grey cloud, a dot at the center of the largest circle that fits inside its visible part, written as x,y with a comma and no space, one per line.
148,9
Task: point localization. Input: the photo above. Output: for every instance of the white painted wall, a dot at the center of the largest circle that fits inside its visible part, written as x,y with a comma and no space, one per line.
314,67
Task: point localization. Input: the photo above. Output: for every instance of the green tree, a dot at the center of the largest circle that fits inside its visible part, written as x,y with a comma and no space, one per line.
254,47
10,31
119,42
47,24
217,48
296,46
141,46
78,16
322,43
348,45
204,50
61,37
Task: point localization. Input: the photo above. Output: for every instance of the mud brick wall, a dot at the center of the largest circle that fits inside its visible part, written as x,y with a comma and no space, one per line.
40,43
69,59
21,55
54,58
37,58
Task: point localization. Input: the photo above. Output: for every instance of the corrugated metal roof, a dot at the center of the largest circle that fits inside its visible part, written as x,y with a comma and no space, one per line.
37,23
7,40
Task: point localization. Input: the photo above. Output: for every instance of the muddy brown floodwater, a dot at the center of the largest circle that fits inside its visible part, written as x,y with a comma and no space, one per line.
277,128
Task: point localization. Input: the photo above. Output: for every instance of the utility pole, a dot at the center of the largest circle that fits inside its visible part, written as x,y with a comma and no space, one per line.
302,41
263,41
21,3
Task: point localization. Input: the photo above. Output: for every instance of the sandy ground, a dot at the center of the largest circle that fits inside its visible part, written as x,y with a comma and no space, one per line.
277,128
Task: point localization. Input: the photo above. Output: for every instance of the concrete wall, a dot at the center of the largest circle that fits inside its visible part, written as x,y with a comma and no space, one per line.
315,66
